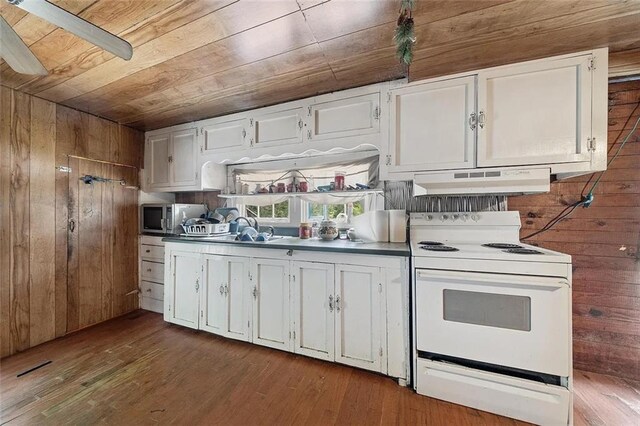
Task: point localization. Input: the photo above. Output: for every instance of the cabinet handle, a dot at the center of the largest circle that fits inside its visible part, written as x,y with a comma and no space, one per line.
289,252
376,113
300,124
226,290
148,251
481,119
255,292
330,303
148,269
171,159
221,290
244,133
72,225
473,120
337,303
197,284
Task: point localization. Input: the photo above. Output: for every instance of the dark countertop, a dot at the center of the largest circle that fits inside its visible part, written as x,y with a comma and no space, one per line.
294,243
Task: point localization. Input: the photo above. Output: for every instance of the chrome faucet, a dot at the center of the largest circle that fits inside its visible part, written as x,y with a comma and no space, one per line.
255,222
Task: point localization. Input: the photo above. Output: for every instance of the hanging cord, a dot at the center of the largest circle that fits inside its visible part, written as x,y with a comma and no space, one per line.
586,200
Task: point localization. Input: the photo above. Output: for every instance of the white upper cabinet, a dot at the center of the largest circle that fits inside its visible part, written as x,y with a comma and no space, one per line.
336,116
535,113
183,160
358,307
313,304
270,279
182,287
276,126
432,126
157,160
224,133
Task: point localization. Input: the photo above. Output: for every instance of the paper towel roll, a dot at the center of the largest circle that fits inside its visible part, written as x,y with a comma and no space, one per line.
372,226
397,226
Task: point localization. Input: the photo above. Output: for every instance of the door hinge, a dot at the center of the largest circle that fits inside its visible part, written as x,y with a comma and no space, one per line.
376,113
308,134
248,324
388,162
388,97
201,314
309,113
294,335
201,149
592,64
202,130
289,335
169,307
591,144
380,351
251,122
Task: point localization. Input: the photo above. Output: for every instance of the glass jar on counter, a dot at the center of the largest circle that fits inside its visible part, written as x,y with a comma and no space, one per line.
305,230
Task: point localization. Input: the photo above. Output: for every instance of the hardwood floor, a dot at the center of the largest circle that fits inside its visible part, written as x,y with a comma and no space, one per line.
137,369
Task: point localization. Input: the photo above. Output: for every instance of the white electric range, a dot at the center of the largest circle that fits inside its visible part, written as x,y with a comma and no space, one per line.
491,317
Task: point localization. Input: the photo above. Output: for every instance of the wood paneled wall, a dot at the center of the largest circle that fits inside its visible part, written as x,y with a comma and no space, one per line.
604,241
35,137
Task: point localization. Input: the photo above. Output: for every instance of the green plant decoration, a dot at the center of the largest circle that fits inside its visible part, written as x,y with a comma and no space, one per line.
404,35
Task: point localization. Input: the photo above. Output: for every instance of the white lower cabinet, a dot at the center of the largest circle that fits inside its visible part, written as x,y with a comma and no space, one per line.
313,306
182,287
270,279
358,316
224,300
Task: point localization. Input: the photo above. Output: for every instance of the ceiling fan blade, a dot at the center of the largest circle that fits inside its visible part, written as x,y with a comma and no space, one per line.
76,25
16,53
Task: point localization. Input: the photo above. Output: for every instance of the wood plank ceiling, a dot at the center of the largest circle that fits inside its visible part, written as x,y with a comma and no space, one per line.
202,58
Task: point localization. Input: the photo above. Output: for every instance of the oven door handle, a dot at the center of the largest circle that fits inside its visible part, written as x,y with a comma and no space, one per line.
469,278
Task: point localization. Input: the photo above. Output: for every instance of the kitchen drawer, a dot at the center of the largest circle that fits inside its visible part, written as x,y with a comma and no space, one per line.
153,271
152,240
149,304
155,253
153,290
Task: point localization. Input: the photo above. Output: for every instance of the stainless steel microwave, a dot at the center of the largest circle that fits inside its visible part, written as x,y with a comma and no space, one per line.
167,218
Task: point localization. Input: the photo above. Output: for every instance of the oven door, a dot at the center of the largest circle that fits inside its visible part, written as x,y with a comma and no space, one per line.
153,218
514,321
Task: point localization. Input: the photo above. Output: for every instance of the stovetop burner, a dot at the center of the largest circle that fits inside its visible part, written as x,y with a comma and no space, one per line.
430,243
503,246
438,248
522,250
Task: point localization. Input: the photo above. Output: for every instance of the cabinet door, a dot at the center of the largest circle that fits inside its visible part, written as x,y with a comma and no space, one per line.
224,134
277,128
358,316
225,297
213,306
270,279
432,126
182,289
238,298
354,116
157,160
535,113
184,152
313,298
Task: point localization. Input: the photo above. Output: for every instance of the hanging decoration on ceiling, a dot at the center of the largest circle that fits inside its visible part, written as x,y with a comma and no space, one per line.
404,35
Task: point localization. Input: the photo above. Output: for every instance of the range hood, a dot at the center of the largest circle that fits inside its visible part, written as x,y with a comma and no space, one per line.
483,181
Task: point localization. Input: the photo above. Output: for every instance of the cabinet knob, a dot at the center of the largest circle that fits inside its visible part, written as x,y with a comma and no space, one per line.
148,290
148,269
148,251
289,252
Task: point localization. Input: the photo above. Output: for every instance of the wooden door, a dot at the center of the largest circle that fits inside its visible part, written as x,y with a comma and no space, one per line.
183,160
102,265
312,294
182,288
535,113
344,117
277,127
213,306
157,156
270,280
224,133
358,307
432,126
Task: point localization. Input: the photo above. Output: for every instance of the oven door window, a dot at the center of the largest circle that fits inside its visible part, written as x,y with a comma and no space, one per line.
488,309
152,218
